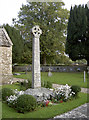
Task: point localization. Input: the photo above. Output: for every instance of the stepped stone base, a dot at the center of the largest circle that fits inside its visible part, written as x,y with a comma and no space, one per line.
40,94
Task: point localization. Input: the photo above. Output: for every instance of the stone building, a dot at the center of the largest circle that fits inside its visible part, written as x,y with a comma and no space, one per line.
5,57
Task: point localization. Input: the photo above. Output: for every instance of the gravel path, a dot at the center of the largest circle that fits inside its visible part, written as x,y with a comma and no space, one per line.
79,113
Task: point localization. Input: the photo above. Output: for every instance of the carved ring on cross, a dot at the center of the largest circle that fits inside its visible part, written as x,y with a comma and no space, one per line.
36,31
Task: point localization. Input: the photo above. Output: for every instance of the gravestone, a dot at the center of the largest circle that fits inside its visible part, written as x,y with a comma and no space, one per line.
49,73
84,76
36,78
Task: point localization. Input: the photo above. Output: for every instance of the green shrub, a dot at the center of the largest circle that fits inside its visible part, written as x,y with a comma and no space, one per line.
43,83
0,95
6,92
29,83
46,84
25,103
49,84
76,89
22,88
25,85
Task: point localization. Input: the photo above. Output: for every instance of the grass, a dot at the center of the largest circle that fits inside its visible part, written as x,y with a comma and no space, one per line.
49,112
60,78
46,112
13,86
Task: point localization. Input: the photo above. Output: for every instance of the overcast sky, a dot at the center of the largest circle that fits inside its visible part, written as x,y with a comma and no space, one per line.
9,8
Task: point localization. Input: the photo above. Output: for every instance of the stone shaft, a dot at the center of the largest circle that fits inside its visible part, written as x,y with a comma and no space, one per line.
36,78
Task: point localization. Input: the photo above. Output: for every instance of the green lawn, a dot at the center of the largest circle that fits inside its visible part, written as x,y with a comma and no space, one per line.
13,86
46,112
60,78
49,112
0,110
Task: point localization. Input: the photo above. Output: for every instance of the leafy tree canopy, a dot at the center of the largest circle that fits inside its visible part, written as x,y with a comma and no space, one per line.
52,19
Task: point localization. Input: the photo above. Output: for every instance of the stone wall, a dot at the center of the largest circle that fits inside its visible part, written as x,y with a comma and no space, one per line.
5,64
0,65
60,68
64,68
24,68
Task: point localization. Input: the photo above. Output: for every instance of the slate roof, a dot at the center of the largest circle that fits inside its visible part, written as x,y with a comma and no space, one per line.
5,40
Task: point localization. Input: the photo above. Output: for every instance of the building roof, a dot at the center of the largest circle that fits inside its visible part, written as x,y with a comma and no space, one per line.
5,40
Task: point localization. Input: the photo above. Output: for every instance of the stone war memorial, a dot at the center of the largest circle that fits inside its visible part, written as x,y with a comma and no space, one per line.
36,79
5,57
37,91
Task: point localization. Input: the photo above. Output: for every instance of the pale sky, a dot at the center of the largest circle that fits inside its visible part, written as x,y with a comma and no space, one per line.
68,3
9,8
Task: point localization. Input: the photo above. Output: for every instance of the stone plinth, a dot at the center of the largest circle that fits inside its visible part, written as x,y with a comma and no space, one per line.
40,94
36,78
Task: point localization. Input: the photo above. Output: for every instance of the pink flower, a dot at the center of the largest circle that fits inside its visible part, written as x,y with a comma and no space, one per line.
47,102
6,97
61,101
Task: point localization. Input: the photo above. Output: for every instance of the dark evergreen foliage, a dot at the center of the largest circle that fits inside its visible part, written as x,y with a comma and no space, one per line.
18,43
6,92
75,89
77,44
25,103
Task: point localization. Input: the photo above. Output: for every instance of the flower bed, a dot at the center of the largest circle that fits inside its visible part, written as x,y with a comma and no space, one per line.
63,93
58,96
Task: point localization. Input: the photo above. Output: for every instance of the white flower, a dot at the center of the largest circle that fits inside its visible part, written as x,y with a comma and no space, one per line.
73,93
65,91
21,92
16,91
11,98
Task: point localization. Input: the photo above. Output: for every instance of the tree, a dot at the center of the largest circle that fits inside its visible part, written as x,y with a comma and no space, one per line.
51,18
27,54
62,59
77,43
18,43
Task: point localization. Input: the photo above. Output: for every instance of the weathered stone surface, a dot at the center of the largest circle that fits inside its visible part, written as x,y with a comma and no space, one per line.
18,80
5,57
79,112
36,78
57,68
40,94
49,74
4,38
16,74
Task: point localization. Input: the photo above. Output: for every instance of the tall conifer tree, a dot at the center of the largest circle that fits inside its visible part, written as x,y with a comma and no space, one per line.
77,43
18,43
